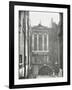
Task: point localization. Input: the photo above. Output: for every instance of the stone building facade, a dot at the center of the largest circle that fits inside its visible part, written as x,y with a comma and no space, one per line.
44,49
40,48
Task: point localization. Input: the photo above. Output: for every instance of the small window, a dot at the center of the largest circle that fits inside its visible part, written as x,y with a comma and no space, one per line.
20,58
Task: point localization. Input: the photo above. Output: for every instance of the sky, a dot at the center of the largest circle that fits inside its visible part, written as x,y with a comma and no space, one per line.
45,18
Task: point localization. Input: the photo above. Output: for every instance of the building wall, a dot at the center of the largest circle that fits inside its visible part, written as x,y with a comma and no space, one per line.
21,36
46,54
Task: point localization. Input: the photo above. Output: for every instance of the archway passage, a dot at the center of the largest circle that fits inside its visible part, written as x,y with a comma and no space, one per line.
45,70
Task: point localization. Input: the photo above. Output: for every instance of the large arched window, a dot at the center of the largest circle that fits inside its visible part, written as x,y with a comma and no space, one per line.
32,41
40,42
45,42
35,42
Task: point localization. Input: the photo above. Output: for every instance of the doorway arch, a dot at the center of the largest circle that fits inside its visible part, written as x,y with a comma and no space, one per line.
45,70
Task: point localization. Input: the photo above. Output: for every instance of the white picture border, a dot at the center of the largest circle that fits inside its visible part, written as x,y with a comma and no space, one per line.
18,81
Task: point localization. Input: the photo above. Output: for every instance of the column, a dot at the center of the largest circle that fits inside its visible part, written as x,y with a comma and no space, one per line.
32,41
37,42
26,27
47,42
58,51
42,42
26,46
